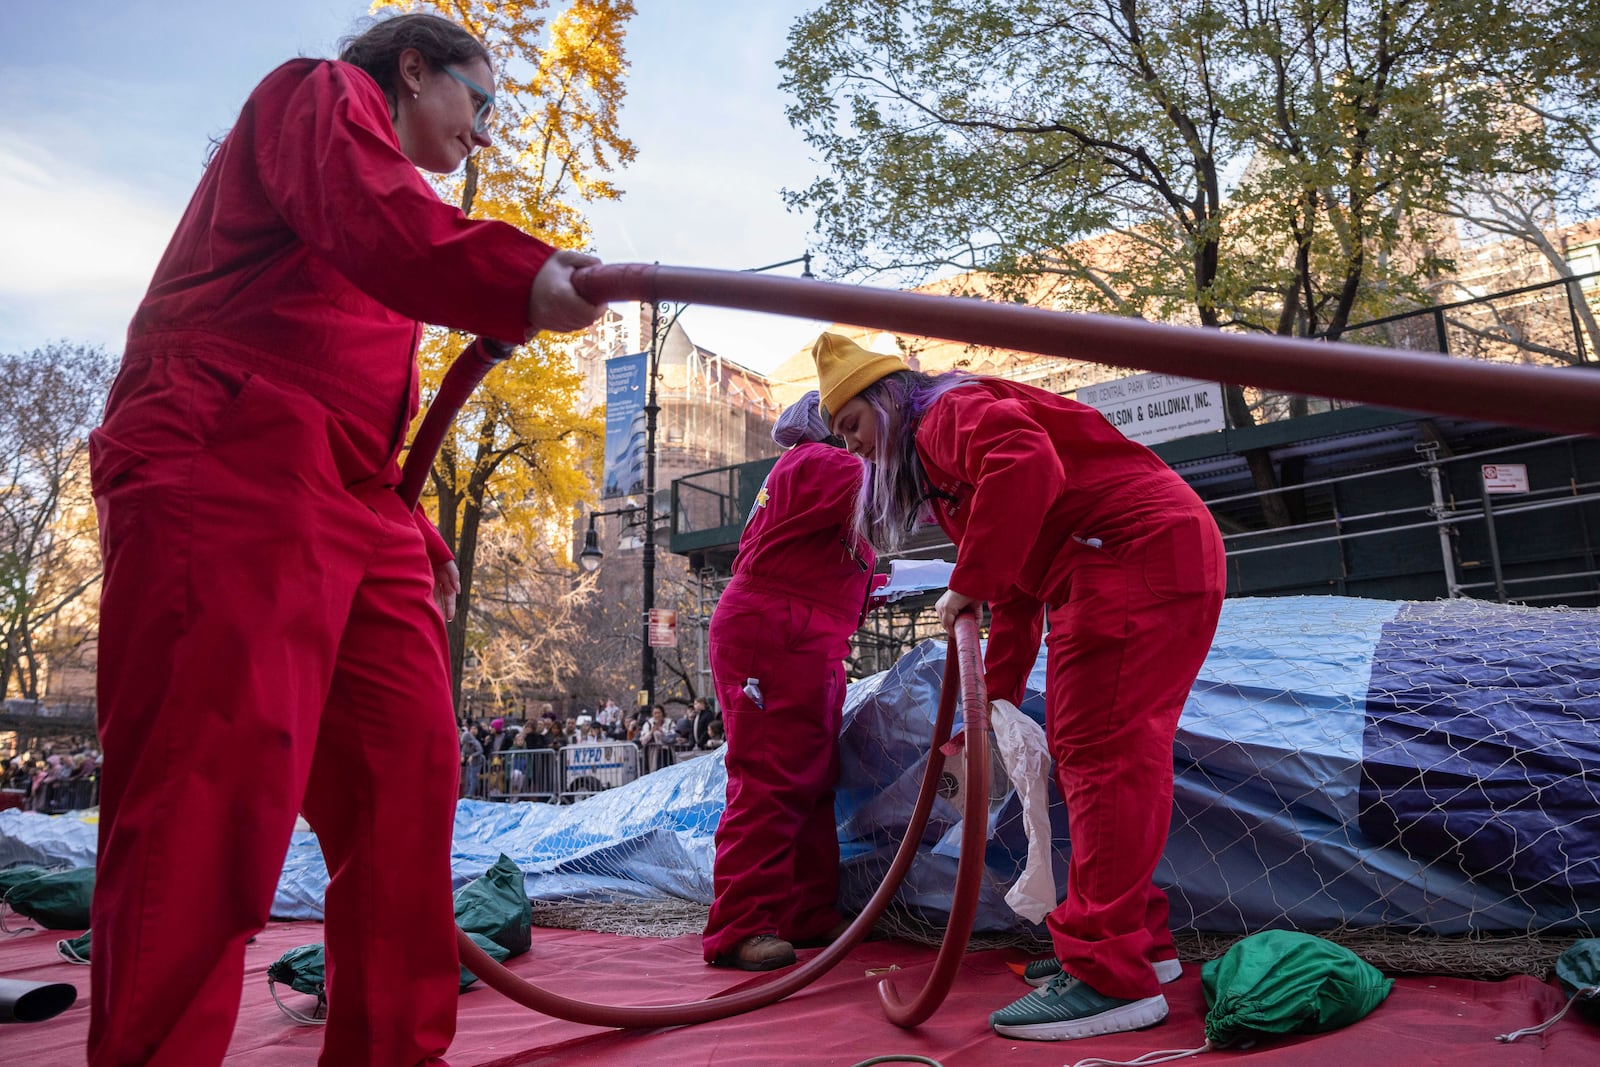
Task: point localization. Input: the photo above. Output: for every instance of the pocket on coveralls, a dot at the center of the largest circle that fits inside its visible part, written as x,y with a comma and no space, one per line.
1183,557
110,463
738,653
109,460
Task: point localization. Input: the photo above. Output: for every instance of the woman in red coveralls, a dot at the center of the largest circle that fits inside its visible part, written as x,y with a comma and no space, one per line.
1054,513
271,611
779,639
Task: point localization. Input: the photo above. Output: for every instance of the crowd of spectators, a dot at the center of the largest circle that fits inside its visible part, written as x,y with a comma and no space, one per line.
495,760
697,728
58,776
33,780
63,775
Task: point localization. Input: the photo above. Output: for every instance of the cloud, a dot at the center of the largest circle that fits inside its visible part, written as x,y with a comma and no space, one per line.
81,246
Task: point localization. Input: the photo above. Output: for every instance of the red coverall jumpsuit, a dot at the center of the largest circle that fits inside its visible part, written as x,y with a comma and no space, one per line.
1051,506
799,586
268,638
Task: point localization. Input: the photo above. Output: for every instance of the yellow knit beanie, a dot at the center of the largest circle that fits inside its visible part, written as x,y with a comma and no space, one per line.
844,368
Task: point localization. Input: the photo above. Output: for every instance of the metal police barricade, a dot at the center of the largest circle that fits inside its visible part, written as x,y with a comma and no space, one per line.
658,756
475,777
71,794
524,774
587,769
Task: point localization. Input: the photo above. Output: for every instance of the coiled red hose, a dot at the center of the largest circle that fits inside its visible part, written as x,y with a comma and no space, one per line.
963,664
1539,398
963,648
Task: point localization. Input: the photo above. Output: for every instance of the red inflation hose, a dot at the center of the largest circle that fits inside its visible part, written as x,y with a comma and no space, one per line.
1543,398
1539,398
479,358
961,654
964,647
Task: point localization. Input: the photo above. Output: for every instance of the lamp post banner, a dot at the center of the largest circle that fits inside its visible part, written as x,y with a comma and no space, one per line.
663,628
625,426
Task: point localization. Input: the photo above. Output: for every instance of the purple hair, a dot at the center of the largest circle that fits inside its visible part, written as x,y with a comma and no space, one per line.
892,492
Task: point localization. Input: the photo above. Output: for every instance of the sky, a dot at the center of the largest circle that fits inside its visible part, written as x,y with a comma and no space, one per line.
111,104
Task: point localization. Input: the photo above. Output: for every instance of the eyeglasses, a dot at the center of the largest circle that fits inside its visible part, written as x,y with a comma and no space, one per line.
482,98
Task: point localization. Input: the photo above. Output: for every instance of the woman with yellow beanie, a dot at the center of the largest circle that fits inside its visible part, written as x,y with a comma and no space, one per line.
1054,513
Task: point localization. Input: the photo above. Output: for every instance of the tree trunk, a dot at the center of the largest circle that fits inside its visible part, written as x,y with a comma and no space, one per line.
1265,478
466,550
1259,460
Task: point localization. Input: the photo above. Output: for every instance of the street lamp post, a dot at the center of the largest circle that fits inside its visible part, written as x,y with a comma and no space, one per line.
647,652
589,558
805,271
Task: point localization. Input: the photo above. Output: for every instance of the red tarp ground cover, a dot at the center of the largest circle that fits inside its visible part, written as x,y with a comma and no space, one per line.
836,1021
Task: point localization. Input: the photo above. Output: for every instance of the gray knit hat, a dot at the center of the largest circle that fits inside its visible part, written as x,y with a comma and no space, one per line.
800,421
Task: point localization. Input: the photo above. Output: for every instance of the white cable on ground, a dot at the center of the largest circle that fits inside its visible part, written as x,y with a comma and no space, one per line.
1587,991
1164,1056
294,1015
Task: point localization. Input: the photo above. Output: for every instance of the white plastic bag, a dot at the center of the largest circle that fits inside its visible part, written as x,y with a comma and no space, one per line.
1026,756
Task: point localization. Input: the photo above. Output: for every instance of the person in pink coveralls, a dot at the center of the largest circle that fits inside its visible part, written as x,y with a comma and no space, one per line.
779,639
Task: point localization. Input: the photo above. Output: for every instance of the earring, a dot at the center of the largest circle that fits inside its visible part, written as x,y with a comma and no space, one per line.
413,96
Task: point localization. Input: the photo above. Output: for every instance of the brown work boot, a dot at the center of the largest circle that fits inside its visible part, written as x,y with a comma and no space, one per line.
763,952
823,940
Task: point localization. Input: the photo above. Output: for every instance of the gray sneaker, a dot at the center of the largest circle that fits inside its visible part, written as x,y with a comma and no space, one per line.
1038,972
1066,1009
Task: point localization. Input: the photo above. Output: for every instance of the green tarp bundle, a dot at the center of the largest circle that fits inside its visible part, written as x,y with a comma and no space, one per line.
1578,971
493,911
496,906
302,969
56,900
15,876
74,949
1283,982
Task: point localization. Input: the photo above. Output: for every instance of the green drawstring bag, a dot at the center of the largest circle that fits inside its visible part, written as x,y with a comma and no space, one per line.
1578,971
15,876
75,949
10,878
496,906
1578,974
1276,982
1286,982
57,900
303,970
